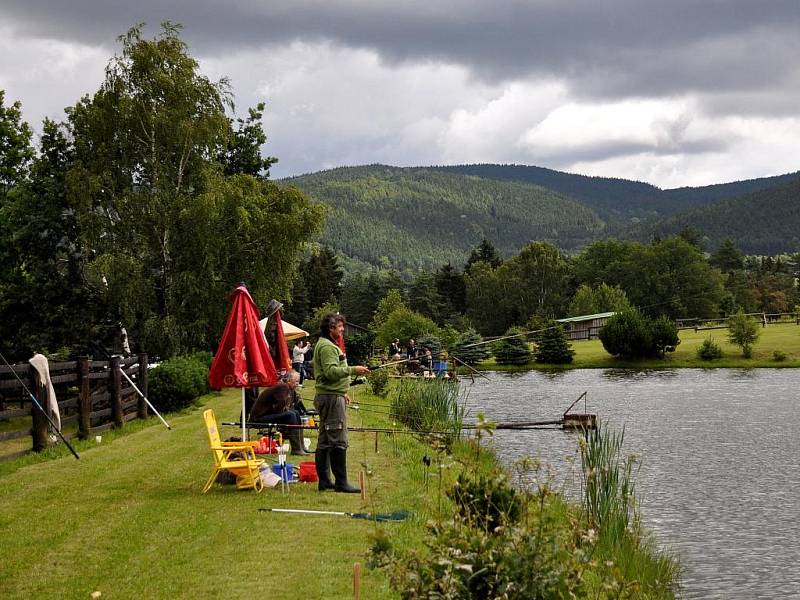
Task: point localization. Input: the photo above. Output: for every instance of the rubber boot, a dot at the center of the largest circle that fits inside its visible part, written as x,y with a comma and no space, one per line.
322,460
339,468
296,442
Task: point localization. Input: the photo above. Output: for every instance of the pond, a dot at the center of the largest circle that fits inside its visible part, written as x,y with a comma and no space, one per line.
719,482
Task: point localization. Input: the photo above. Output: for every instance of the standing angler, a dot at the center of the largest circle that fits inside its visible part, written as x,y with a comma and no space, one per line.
332,375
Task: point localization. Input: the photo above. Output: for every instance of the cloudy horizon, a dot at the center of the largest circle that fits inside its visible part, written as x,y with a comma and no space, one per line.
674,94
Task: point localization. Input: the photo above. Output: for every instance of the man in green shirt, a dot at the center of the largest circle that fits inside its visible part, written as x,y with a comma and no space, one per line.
332,381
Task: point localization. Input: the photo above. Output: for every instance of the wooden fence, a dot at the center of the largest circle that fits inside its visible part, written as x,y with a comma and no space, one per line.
765,319
92,396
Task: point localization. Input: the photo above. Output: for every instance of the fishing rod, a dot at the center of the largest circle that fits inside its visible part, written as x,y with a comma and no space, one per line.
43,411
138,391
400,515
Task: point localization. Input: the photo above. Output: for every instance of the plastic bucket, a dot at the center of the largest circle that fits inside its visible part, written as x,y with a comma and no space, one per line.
277,470
308,472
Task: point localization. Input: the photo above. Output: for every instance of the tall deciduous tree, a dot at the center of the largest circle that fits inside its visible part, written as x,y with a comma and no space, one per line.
168,233
16,151
668,277
590,300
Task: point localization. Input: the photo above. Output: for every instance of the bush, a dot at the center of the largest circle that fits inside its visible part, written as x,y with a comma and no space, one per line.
779,356
709,350
486,502
466,352
504,543
177,382
359,347
514,350
553,346
379,382
664,335
630,334
743,331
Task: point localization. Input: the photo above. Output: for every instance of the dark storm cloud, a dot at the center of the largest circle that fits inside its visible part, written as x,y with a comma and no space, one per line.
603,48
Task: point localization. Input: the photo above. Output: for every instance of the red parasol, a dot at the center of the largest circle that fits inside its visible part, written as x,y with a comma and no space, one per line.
284,363
242,359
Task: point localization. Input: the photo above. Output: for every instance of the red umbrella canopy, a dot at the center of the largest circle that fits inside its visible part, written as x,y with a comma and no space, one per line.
284,363
242,358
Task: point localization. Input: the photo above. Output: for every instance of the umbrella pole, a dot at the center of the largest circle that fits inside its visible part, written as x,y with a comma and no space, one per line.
244,419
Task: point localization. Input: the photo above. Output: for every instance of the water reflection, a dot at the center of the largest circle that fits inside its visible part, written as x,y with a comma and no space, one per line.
718,482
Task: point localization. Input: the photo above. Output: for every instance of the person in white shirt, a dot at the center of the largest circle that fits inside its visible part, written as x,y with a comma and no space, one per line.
299,358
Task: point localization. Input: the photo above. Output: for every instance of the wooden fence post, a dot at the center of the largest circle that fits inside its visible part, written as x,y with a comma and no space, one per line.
115,390
84,398
141,407
39,422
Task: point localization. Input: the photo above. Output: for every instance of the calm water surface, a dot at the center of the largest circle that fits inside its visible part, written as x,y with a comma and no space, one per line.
720,476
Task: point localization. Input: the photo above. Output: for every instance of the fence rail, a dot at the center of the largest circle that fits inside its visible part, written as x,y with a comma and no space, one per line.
92,396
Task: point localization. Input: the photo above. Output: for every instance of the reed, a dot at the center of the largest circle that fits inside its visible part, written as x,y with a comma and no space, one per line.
431,406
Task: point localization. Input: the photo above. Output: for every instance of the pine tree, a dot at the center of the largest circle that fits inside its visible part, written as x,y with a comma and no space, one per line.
514,350
553,347
466,352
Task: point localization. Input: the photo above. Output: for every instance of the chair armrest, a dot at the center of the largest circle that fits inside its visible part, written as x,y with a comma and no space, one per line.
230,444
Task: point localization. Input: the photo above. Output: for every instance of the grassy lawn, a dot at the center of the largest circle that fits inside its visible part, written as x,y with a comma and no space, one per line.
589,354
128,519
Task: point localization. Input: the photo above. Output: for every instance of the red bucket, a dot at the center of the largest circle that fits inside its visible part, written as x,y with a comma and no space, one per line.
308,472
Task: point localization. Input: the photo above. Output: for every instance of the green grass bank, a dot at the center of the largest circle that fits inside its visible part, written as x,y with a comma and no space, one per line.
590,354
128,520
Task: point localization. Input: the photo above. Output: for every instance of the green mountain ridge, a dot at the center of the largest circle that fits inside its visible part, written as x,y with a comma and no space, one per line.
412,218
416,218
621,198
763,222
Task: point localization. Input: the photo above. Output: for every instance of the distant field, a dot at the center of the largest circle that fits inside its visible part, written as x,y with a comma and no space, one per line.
783,337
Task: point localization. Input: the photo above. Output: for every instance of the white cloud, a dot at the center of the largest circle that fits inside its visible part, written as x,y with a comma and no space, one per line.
48,75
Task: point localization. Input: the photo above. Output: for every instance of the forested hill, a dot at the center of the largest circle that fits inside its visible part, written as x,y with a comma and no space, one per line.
411,218
620,198
763,222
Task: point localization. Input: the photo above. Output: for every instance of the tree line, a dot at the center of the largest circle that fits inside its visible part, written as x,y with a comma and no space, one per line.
671,278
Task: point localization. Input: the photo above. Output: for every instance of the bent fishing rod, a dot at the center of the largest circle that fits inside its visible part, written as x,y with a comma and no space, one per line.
42,410
138,391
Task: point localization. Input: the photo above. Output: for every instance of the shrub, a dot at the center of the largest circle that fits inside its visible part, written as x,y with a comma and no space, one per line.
465,351
379,382
779,355
545,550
553,346
664,335
709,350
359,347
486,502
743,331
630,334
514,350
177,382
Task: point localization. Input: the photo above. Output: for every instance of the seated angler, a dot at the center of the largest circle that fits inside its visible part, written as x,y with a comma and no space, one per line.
274,405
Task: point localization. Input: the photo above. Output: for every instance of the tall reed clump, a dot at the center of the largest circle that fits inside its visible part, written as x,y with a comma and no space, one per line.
611,511
608,485
430,406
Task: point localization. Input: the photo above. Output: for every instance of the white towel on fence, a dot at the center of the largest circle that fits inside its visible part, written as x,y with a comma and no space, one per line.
39,362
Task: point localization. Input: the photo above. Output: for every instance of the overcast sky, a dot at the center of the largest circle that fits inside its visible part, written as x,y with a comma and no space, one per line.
672,92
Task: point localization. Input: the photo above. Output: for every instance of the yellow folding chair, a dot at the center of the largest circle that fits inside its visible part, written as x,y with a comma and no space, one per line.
245,466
